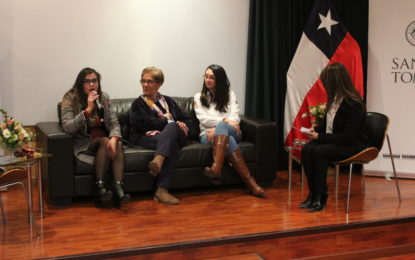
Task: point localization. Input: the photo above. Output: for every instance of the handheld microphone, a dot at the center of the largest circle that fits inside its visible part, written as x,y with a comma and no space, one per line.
100,109
98,104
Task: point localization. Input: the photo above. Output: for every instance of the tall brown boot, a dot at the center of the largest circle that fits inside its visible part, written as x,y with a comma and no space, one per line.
220,144
238,163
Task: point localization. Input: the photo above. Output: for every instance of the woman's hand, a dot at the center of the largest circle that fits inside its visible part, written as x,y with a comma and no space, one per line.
233,124
210,133
93,95
183,127
312,134
112,147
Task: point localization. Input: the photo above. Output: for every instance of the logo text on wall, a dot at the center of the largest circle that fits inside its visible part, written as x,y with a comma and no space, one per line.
403,70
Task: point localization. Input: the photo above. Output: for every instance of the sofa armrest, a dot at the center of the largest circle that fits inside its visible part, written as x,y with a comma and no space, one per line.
263,134
58,170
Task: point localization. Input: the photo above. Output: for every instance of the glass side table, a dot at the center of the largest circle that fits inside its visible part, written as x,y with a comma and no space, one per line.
298,144
10,160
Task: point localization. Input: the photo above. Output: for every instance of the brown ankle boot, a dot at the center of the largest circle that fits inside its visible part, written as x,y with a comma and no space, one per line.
238,163
220,144
163,195
156,164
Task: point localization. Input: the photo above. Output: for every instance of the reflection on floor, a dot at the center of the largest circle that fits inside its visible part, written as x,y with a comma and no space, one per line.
214,217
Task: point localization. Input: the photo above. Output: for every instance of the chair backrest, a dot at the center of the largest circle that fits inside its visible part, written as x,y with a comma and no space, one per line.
12,175
376,128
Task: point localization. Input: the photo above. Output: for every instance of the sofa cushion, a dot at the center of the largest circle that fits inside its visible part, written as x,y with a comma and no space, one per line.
186,103
194,154
122,109
136,159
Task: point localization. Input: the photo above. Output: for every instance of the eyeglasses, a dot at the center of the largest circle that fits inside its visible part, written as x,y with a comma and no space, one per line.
89,81
149,81
212,77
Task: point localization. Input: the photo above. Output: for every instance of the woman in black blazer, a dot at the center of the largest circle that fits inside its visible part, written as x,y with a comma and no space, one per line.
340,135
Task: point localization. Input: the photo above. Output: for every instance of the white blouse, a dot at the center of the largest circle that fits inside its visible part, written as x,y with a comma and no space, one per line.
331,114
210,117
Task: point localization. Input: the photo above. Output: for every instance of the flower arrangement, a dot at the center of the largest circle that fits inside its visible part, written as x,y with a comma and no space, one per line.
316,113
12,134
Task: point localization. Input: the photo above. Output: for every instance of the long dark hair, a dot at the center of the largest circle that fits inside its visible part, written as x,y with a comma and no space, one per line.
78,86
338,84
221,95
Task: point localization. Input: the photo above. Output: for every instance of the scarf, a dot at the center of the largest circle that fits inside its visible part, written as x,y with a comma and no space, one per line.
159,98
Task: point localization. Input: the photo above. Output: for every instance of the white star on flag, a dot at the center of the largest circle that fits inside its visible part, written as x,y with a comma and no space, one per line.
326,22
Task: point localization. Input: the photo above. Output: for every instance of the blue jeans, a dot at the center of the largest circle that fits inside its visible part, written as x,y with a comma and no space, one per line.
225,129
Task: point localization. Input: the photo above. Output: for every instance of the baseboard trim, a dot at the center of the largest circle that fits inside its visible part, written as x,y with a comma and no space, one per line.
386,174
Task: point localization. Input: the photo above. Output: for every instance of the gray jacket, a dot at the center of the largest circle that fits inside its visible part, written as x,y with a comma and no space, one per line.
74,123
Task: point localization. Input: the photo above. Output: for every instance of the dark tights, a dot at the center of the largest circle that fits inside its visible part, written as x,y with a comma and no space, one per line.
102,160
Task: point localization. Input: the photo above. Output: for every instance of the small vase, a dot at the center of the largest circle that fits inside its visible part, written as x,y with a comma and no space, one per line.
11,152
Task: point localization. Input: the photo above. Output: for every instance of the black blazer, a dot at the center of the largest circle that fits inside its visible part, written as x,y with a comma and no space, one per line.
144,119
348,125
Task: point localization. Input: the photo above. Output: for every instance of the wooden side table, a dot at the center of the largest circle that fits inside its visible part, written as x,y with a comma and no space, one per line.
10,160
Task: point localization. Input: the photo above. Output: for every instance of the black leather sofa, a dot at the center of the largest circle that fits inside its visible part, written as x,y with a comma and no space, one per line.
65,178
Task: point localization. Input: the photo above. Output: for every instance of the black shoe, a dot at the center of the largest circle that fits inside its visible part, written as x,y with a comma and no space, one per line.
215,181
119,193
103,196
307,203
319,203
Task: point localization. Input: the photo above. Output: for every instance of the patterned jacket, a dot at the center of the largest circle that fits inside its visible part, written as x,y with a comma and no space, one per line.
74,123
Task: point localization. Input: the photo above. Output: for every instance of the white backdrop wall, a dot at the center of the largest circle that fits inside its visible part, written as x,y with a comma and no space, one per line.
5,52
45,43
391,80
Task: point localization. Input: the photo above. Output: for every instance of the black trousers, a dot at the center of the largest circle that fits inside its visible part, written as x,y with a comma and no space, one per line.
315,158
167,143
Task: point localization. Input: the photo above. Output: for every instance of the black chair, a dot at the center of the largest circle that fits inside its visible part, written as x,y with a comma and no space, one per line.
13,177
376,130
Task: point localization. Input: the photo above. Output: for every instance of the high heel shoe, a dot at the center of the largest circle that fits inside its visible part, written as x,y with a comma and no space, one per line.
308,201
319,203
119,193
102,196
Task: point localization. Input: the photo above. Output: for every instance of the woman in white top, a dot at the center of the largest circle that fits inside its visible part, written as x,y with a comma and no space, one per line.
218,113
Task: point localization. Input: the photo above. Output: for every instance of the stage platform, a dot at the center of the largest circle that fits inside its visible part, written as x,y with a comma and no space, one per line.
222,223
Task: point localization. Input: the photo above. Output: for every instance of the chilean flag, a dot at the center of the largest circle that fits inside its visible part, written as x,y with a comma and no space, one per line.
325,40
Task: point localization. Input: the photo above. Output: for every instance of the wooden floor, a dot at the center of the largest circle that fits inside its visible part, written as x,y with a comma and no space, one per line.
221,224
